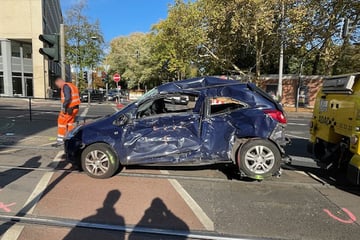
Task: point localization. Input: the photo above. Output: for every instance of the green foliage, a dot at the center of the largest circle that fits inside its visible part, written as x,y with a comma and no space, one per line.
84,39
130,56
215,37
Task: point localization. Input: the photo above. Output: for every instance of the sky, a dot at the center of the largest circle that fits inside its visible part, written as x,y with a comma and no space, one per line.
122,17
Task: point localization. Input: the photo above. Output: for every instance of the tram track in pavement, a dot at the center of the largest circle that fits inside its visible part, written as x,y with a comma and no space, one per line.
318,181
129,229
127,173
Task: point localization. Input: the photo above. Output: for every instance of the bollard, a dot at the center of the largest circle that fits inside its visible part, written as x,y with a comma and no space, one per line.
30,112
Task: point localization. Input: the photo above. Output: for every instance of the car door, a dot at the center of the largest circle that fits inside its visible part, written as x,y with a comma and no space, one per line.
218,129
172,136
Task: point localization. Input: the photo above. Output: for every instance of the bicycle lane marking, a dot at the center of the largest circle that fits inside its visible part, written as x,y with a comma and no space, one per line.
14,231
193,205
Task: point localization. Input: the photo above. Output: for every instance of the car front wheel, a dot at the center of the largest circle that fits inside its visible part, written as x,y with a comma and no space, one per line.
99,161
259,159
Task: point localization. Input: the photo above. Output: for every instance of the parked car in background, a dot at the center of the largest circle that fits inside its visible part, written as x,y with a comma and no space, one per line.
115,95
178,99
95,95
223,121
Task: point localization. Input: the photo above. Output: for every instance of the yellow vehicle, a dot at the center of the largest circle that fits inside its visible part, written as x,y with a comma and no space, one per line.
335,126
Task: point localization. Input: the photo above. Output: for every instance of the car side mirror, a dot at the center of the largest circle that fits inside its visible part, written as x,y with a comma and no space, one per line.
122,120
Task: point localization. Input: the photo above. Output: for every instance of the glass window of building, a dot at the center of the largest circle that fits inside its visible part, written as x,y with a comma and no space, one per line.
2,90
15,49
17,83
27,50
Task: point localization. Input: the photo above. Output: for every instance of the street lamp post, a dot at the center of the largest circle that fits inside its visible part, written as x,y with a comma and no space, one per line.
281,57
93,38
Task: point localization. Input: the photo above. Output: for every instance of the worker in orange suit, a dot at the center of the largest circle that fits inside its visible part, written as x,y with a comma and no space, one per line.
70,101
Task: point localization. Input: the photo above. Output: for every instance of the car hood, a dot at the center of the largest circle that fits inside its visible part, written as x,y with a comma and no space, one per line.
108,120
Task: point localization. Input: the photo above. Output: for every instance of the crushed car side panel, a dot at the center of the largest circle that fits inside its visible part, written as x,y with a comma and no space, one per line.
151,138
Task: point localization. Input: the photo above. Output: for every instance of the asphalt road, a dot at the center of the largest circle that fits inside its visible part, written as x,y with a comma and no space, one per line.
303,203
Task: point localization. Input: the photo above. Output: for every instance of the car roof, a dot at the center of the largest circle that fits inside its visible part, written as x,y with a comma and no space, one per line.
198,84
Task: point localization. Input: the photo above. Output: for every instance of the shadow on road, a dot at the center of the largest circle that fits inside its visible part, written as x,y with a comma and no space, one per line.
159,216
106,214
298,147
11,175
333,176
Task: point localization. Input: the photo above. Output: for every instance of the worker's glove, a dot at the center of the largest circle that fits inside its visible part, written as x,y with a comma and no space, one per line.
69,111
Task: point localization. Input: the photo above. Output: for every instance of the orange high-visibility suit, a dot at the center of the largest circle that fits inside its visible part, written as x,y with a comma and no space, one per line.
70,101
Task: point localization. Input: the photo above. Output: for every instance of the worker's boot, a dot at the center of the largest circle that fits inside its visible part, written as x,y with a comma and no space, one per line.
59,143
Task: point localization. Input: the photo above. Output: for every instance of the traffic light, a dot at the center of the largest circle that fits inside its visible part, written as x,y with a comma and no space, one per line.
52,51
85,76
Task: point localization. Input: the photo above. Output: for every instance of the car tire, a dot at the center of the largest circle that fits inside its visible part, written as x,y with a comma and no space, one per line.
259,159
99,161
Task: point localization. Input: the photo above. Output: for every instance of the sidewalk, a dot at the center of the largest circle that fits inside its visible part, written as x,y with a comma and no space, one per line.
301,113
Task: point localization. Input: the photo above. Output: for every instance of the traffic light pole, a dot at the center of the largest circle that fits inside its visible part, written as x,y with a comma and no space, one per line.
62,51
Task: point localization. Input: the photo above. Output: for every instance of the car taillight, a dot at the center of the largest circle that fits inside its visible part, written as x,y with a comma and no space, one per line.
276,115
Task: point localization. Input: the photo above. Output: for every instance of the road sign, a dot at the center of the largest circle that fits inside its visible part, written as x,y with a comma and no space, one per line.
116,77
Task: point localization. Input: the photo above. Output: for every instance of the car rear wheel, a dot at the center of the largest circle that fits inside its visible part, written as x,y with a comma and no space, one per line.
259,159
99,161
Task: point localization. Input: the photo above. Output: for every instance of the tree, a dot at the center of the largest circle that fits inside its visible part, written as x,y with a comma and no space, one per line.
130,56
84,39
319,42
176,39
213,37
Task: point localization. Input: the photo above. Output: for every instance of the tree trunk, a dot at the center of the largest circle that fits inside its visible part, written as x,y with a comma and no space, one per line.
259,49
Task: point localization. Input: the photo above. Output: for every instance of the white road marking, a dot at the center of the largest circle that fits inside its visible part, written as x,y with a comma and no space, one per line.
301,172
15,230
83,114
298,124
9,151
294,136
115,108
200,214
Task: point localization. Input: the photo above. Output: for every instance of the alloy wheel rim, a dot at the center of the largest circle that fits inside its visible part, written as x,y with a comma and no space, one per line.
97,162
259,159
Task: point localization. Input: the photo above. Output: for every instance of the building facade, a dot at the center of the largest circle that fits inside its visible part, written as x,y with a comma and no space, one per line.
23,70
306,87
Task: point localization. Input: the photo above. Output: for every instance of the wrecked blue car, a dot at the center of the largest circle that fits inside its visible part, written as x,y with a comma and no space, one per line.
218,121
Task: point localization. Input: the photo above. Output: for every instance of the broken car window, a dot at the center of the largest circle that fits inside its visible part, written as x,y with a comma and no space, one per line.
167,105
219,105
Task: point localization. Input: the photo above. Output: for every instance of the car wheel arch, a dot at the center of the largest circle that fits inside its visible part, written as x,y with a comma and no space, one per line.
239,142
103,142
258,176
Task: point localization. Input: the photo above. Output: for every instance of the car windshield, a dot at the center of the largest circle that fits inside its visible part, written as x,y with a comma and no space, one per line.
148,94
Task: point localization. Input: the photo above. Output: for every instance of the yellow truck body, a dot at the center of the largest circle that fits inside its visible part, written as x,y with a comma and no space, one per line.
335,126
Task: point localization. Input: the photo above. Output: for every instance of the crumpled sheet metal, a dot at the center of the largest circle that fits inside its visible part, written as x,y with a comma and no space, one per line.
187,137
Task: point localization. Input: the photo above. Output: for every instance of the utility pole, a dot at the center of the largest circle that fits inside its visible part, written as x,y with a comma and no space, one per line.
76,65
281,59
62,51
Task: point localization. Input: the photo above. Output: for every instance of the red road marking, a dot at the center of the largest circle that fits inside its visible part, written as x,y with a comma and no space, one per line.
351,219
5,207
